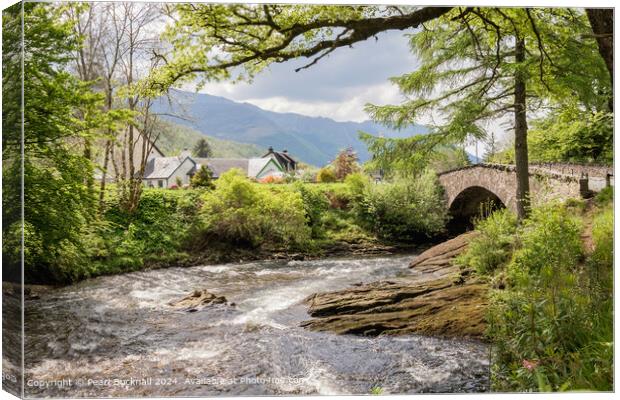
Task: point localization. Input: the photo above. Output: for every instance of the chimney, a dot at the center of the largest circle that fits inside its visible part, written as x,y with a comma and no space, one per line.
284,151
270,149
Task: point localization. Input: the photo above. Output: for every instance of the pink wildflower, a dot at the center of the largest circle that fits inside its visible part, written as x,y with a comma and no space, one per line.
530,365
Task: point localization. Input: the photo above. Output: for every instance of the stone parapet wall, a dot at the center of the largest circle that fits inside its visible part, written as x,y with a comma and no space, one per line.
547,182
575,169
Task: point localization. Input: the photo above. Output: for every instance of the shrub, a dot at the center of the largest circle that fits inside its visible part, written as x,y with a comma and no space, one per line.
326,175
203,178
493,248
603,238
157,231
601,262
342,226
290,177
406,209
605,196
240,212
188,205
338,198
315,205
11,249
551,243
156,227
309,175
596,359
357,184
548,330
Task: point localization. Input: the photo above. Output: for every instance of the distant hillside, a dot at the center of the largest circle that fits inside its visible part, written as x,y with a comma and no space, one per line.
175,137
314,140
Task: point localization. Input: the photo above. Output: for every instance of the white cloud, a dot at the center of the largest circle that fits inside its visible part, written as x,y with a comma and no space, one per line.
338,87
351,109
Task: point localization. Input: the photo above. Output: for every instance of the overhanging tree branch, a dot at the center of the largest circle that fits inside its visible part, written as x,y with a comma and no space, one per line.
282,49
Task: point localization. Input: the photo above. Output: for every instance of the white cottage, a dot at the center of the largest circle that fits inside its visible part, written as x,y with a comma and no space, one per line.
167,172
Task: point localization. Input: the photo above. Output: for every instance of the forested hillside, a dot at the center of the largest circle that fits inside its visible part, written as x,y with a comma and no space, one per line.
313,140
174,138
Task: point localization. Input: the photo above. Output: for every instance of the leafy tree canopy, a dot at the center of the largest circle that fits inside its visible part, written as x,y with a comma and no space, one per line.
573,135
467,76
468,59
60,112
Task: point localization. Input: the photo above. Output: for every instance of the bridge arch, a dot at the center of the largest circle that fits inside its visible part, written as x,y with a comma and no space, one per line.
467,204
467,187
472,202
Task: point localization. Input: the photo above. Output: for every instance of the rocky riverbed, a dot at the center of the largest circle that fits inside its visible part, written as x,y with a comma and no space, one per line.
435,298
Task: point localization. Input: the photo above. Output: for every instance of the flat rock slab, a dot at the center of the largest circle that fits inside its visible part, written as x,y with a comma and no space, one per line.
198,300
436,299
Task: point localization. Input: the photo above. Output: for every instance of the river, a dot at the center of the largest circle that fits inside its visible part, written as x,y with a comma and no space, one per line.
117,336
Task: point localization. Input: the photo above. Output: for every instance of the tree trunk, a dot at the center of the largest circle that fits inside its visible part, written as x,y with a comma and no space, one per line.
521,157
90,179
602,23
108,145
104,175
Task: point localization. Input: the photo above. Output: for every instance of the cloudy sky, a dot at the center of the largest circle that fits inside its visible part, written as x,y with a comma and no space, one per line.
337,87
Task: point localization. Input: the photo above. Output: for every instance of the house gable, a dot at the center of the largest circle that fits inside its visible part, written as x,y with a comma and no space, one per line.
167,169
265,169
183,172
283,158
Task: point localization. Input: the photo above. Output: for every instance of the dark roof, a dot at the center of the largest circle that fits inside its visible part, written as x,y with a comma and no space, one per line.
282,157
287,156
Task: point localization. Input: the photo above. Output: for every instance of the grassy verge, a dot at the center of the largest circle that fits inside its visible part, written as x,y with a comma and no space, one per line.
550,317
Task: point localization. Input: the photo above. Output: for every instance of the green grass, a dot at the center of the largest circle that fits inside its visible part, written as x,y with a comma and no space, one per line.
550,320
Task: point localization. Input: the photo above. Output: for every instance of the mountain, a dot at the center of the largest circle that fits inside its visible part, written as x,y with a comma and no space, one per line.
314,140
473,159
174,138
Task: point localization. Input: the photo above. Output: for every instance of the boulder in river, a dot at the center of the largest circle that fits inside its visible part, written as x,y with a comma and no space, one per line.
437,298
198,300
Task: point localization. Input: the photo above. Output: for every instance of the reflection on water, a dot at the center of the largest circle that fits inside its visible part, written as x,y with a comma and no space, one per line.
117,336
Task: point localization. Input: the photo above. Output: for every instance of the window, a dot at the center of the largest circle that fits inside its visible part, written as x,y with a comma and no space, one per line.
160,183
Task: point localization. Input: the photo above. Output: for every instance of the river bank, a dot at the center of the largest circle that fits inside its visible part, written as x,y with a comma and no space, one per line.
221,253
218,253
240,220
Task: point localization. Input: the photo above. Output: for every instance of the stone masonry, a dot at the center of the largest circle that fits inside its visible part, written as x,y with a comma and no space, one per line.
547,182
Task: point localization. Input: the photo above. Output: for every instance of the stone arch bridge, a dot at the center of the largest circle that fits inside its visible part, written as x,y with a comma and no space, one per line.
468,187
